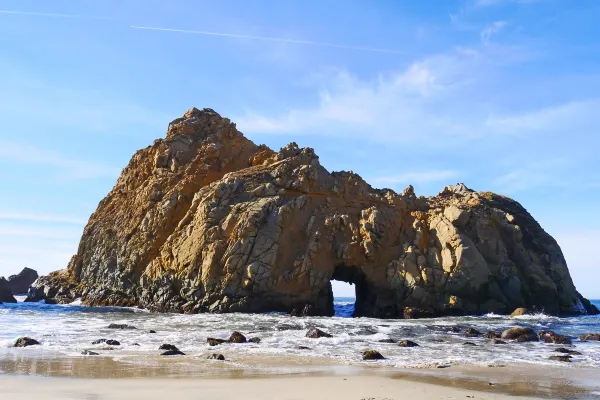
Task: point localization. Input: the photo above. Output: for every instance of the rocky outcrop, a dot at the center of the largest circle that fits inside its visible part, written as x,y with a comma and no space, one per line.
206,221
20,282
6,295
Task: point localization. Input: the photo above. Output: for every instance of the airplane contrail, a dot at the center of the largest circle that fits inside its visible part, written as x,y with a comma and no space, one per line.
13,12
271,39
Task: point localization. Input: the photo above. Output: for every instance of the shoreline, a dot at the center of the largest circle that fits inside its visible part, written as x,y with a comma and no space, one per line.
75,374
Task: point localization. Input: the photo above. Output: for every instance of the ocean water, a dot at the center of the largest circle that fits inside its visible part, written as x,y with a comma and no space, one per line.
69,329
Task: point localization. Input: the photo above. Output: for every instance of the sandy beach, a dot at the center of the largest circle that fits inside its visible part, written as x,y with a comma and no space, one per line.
333,388
54,377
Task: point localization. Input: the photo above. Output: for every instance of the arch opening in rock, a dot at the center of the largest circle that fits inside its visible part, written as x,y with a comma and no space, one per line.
353,276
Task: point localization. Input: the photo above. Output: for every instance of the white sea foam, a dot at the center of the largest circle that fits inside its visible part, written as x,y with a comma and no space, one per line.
69,329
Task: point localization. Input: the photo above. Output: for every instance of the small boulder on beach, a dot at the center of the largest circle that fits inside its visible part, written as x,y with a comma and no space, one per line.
497,341
89,353
472,332
111,342
567,351
520,335
392,341
237,337
520,312
590,336
216,356
166,346
254,340
551,337
407,343
25,342
121,326
215,341
372,355
469,344
173,353
315,333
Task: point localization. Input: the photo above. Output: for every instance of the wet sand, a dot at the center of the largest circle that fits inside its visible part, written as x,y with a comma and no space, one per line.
48,375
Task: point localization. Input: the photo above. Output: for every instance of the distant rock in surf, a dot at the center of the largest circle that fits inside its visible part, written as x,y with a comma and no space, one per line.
26,342
205,220
6,295
20,282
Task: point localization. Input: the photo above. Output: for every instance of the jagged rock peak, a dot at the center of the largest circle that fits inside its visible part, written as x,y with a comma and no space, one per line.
207,221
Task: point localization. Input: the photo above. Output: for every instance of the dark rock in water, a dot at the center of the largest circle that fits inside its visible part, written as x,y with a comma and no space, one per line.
551,337
294,313
6,295
135,344
152,331
497,341
520,311
20,282
492,335
469,344
26,341
99,341
453,329
173,353
407,343
387,341
216,356
254,340
206,172
315,333
50,301
472,332
560,358
372,355
89,353
121,326
416,313
303,348
590,336
237,337
215,341
288,327
166,346
520,335
567,351
111,342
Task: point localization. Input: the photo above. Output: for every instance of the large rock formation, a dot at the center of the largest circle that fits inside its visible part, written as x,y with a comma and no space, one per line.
6,295
205,220
20,282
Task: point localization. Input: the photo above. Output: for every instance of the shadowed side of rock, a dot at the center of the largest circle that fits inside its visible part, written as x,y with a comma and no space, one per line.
20,282
206,221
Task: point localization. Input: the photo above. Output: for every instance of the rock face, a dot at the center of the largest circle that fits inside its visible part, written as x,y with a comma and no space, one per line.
206,221
20,282
6,295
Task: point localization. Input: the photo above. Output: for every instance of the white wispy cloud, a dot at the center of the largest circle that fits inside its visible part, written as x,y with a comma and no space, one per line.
418,177
490,30
532,175
33,217
73,168
394,106
271,39
574,116
52,15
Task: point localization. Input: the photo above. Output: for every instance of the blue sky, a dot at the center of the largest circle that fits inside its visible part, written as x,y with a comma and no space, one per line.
500,94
